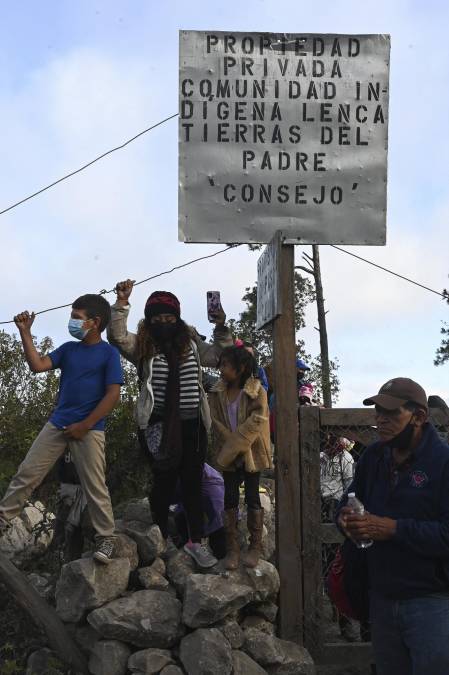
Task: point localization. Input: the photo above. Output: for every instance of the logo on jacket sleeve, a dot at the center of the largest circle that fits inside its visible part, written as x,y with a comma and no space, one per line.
418,479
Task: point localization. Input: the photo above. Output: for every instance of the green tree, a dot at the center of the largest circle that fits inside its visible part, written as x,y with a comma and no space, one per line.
442,354
26,401
244,328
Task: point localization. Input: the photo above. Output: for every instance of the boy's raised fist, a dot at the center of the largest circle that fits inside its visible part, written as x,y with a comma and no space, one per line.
24,320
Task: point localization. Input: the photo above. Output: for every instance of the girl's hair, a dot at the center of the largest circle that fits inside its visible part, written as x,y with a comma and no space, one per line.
147,346
240,359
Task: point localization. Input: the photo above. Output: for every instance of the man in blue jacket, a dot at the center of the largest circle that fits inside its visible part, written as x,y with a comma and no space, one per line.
403,482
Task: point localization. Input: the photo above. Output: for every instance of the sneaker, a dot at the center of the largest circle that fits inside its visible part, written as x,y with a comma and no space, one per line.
201,555
104,549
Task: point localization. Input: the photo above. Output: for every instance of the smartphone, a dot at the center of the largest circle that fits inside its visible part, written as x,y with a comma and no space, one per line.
213,305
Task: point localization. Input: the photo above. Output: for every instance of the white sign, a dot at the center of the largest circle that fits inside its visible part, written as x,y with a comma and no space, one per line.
268,291
283,132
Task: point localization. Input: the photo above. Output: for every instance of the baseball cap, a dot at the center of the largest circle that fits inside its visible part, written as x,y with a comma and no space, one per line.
302,365
397,392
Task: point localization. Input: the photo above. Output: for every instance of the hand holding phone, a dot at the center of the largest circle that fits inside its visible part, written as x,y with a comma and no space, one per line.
215,313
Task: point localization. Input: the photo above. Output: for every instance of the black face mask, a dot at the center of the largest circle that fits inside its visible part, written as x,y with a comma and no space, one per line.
164,332
403,439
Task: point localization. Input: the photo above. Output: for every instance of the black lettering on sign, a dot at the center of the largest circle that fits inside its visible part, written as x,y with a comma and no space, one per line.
379,115
228,191
186,87
318,46
343,135
336,195
247,65
353,47
229,42
336,70
247,156
299,194
320,198
295,134
187,126
283,194
186,110
211,41
240,133
222,130
358,137
228,63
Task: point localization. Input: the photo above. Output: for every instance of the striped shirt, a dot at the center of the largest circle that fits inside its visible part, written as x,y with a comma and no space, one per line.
189,392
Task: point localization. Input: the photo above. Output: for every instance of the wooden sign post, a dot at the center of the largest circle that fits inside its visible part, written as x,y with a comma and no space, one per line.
288,497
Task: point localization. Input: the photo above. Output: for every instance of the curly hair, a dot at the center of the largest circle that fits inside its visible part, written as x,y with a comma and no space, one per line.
147,347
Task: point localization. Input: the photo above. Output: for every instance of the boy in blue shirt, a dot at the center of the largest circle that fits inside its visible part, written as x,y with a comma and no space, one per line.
91,376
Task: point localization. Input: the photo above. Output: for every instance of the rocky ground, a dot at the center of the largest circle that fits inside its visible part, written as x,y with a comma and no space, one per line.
152,611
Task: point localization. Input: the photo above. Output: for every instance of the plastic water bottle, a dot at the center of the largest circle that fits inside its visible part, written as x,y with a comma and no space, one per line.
358,508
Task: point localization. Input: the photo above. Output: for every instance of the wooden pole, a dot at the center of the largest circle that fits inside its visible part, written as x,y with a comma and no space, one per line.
42,614
324,347
288,498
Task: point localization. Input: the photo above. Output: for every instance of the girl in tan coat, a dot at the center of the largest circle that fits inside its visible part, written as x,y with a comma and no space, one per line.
239,412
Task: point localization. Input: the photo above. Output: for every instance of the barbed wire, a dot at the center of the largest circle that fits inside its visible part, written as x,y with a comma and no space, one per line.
85,166
137,283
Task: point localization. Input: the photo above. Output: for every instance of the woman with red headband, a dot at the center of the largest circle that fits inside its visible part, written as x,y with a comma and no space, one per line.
172,409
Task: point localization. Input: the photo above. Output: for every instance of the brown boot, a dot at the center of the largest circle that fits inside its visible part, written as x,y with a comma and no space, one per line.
255,527
232,539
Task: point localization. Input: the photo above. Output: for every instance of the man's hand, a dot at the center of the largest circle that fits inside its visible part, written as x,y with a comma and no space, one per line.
124,290
368,526
76,431
24,320
219,318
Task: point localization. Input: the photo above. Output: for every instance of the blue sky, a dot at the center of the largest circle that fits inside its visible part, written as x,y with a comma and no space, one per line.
79,78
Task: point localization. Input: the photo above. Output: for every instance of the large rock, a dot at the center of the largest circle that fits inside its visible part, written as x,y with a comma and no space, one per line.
41,584
109,657
232,632
30,533
172,670
43,662
138,510
159,566
244,665
259,623
180,567
206,652
149,540
144,618
263,579
151,579
85,637
149,661
125,547
85,584
209,598
268,610
278,657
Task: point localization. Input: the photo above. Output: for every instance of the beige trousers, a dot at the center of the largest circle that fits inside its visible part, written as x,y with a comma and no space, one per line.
89,459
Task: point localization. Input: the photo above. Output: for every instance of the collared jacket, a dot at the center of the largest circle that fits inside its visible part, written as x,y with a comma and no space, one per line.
207,354
251,440
416,561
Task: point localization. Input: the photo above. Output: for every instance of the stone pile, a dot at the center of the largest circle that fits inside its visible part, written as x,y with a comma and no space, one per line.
152,611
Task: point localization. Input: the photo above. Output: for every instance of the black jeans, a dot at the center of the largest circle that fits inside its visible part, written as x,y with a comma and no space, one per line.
189,474
233,480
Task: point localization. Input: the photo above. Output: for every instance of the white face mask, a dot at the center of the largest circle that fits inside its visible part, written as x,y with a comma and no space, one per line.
76,329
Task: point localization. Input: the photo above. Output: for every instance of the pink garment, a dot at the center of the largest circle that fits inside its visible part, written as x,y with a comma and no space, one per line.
233,411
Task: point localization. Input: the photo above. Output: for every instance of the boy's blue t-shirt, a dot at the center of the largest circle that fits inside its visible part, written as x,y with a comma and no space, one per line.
86,371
